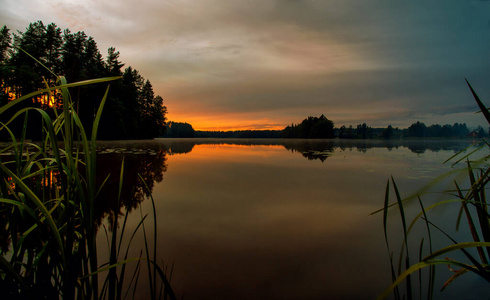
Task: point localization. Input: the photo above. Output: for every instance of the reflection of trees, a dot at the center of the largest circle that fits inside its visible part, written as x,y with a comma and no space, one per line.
436,146
149,165
321,155
318,149
311,149
180,147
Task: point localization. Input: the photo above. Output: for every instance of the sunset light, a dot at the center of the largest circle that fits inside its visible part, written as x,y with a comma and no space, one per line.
244,149
47,100
225,123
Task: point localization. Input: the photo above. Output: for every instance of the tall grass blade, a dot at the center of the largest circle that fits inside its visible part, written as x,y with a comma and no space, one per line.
385,218
36,60
432,270
418,266
54,88
478,268
405,237
44,211
123,268
482,107
165,281
480,208
147,252
471,225
456,275
50,192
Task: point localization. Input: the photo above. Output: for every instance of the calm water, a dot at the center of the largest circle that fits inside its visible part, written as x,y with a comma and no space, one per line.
271,219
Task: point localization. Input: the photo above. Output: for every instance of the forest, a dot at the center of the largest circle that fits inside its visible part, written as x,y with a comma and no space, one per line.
132,110
322,128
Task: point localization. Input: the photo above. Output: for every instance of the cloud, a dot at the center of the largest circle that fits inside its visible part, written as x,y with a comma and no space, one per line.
351,60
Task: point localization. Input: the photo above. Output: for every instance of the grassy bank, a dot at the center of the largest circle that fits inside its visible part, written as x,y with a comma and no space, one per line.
48,195
414,275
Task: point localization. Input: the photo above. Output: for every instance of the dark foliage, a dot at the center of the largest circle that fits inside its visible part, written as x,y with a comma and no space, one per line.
446,131
311,128
132,110
179,130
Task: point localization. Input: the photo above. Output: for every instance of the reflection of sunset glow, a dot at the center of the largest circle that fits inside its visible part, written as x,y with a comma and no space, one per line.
235,152
234,149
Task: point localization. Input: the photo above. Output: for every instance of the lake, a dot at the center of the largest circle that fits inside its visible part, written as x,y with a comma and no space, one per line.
281,219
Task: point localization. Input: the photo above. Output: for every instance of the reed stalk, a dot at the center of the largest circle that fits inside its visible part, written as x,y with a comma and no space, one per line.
48,196
473,207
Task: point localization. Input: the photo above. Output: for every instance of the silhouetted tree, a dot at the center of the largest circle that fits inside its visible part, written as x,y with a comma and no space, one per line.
388,132
5,40
179,130
435,130
417,130
132,109
481,132
311,128
363,131
113,64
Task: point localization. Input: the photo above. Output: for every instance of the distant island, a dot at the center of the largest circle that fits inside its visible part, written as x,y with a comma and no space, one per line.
323,128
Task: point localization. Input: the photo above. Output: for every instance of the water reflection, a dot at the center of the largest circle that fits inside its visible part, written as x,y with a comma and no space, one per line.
262,222
320,149
149,159
142,169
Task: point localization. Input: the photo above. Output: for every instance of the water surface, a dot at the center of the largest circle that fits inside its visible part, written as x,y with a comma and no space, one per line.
274,219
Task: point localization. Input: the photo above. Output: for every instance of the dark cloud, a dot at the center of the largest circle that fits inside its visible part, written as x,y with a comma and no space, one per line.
353,60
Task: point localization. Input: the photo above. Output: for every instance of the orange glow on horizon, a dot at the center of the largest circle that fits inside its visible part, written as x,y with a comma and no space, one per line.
225,123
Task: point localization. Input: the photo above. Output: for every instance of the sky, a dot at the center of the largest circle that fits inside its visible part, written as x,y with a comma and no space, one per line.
264,64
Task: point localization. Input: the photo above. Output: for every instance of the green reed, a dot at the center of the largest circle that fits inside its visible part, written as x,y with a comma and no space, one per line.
48,196
473,207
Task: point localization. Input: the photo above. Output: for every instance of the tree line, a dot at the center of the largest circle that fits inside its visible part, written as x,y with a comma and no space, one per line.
323,128
132,110
416,130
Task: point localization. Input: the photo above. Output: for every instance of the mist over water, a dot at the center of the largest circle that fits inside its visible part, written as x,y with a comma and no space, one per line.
274,219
